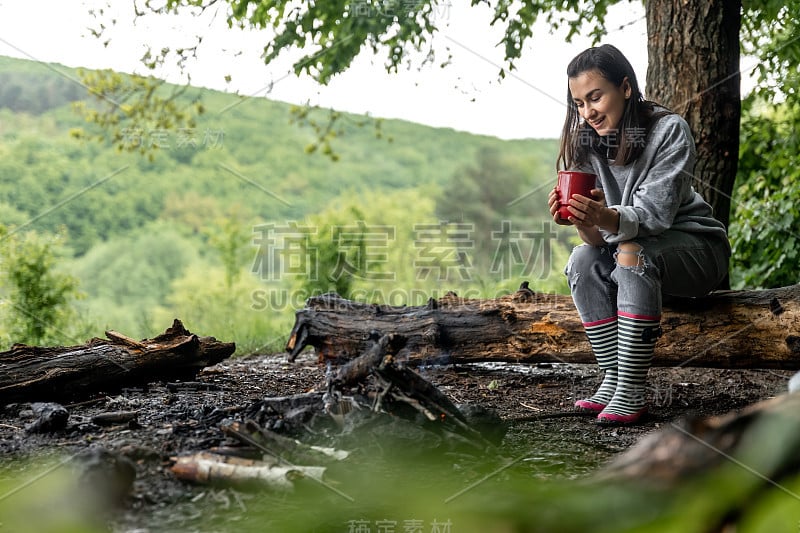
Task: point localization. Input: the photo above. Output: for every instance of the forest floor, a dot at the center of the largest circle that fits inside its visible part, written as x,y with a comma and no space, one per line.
175,421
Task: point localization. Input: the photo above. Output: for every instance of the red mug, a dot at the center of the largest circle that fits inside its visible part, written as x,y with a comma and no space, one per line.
572,182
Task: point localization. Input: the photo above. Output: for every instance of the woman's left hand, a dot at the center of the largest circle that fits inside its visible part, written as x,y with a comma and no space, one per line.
589,212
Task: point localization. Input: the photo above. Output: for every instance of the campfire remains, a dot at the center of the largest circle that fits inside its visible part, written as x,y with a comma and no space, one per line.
372,386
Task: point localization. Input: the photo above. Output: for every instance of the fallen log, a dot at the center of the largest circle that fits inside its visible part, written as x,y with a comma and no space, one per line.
727,329
33,373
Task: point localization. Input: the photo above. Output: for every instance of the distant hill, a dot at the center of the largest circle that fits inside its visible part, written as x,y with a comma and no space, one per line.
243,151
177,236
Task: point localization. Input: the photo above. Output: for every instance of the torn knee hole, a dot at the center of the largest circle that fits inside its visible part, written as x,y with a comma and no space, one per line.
630,255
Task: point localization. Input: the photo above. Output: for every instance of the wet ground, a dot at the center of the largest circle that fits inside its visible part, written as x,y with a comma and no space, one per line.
174,420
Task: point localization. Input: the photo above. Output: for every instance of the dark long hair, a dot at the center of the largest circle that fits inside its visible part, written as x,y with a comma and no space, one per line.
578,139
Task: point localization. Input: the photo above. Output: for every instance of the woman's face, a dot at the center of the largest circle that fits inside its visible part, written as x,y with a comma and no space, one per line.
600,102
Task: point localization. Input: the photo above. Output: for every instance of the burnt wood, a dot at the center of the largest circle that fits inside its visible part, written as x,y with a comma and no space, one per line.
33,373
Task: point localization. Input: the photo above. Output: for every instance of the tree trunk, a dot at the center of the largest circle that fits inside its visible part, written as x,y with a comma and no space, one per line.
693,69
31,373
728,329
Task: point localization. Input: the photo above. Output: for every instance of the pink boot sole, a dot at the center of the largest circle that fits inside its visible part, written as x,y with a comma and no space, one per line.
611,419
589,406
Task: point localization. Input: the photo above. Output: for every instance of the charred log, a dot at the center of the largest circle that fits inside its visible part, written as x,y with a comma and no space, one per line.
32,373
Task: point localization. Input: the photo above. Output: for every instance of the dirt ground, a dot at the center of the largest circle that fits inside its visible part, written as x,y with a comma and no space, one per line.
174,420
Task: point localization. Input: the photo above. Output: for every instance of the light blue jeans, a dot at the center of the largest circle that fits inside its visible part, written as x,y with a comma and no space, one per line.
673,263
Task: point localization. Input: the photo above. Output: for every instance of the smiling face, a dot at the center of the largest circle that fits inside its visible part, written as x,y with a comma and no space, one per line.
600,103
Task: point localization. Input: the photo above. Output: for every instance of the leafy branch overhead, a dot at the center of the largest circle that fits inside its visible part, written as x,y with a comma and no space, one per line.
125,107
330,34
334,32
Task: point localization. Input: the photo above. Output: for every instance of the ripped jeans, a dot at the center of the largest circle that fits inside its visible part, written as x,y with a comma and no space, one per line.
673,263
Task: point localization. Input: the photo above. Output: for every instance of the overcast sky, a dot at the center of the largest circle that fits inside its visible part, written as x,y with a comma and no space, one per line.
466,95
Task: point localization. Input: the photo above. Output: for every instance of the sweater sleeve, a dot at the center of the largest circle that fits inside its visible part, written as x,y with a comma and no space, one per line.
660,192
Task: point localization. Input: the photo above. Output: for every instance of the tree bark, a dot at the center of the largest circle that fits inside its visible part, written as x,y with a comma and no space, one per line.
728,329
32,373
693,69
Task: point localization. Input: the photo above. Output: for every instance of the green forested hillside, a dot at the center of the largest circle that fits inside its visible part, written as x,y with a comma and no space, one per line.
232,223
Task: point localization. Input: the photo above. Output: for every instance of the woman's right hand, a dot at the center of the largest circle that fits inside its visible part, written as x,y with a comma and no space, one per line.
554,204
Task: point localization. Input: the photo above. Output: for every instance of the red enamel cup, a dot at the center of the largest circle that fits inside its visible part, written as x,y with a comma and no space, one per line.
571,182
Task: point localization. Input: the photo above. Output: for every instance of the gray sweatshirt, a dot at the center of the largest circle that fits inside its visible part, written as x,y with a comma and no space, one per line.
654,193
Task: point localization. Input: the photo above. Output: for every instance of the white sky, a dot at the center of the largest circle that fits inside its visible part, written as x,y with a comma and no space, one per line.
466,95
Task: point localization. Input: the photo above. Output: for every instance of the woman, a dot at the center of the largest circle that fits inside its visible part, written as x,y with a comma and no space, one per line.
646,231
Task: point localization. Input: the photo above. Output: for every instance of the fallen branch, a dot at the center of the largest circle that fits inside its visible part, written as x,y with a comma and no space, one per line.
209,468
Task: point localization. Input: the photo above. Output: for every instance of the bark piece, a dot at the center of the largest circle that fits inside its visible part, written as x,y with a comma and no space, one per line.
727,329
115,417
32,373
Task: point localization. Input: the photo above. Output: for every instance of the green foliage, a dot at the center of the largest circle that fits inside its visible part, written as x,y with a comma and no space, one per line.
769,34
765,223
205,303
137,270
244,152
35,91
338,250
329,127
332,33
482,196
765,228
126,107
229,237
46,495
38,296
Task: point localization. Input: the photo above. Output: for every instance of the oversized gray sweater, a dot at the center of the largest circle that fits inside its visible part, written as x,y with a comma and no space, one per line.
654,193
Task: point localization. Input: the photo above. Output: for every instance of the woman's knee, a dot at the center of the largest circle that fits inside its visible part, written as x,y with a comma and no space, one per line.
631,256
582,259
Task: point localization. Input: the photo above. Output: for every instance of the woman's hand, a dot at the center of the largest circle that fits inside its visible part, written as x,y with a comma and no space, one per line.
588,212
553,205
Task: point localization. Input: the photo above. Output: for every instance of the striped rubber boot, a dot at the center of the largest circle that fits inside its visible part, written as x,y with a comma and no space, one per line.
637,336
603,339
